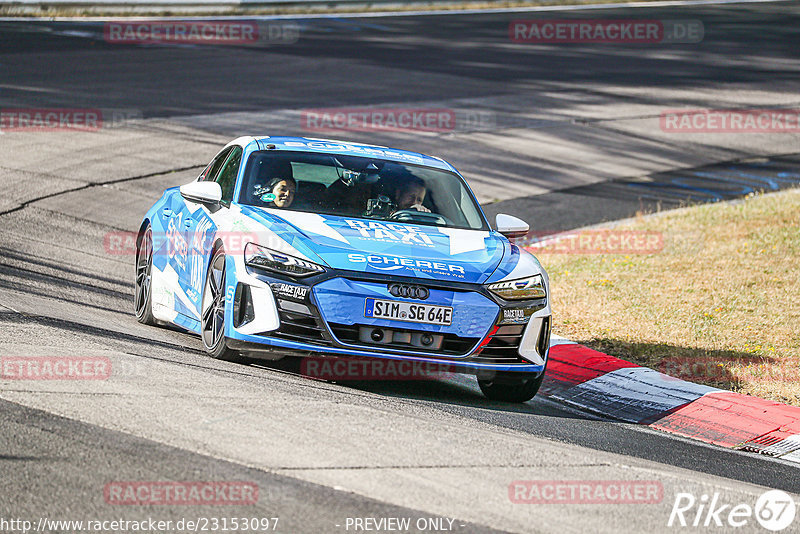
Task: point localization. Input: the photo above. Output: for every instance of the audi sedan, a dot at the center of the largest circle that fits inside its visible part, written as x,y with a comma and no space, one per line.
324,249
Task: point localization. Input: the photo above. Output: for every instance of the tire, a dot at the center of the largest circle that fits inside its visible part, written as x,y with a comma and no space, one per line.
212,316
143,285
511,387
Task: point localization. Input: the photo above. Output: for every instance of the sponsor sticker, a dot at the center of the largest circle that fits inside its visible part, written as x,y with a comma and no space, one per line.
289,291
394,263
516,315
387,232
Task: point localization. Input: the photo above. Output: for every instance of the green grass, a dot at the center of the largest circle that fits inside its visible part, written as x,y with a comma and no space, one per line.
720,304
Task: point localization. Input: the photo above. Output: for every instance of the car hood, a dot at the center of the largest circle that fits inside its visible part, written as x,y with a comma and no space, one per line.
381,247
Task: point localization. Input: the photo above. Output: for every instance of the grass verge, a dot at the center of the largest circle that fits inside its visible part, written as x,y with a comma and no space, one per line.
719,304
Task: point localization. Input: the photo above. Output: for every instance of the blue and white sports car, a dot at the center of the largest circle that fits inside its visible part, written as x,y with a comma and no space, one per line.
296,246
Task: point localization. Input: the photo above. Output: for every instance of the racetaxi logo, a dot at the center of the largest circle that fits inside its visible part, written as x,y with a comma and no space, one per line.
393,263
513,315
516,315
289,290
390,232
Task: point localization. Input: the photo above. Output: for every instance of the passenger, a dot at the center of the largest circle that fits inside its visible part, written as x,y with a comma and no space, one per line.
278,193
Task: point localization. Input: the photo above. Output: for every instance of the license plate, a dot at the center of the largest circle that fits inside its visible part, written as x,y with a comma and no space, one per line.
408,311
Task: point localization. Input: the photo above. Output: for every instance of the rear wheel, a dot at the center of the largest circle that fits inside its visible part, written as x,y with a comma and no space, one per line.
212,317
143,294
511,387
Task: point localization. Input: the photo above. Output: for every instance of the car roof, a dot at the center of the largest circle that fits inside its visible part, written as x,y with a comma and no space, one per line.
333,146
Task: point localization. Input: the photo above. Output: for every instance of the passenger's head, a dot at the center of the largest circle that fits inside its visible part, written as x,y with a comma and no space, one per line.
281,191
410,192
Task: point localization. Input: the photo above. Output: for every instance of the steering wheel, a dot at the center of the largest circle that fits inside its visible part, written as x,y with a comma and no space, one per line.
423,217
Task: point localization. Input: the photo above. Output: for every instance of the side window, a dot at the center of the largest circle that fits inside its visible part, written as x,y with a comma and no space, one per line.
213,167
227,176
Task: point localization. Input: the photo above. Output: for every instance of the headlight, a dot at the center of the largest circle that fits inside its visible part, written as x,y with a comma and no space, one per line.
524,288
272,260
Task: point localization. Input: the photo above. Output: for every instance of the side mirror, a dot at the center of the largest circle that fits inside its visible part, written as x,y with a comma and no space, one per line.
511,226
203,192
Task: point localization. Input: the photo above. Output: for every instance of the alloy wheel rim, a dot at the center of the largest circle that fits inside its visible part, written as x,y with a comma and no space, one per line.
213,316
144,265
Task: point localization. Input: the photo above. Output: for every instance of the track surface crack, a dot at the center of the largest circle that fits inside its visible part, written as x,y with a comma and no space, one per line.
96,184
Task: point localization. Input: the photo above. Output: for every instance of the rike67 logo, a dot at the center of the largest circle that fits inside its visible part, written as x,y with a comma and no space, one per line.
774,510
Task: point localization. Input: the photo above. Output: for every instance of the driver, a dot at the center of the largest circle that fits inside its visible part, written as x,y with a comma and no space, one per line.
410,194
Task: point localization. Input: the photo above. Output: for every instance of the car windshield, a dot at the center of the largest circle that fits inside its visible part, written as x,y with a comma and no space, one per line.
353,186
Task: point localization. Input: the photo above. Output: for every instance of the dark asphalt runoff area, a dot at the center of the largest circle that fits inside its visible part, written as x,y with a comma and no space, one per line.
321,452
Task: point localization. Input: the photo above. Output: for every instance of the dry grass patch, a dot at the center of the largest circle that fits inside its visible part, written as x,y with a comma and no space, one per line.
719,304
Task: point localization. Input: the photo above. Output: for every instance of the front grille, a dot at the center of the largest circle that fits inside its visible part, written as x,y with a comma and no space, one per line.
298,324
503,347
452,345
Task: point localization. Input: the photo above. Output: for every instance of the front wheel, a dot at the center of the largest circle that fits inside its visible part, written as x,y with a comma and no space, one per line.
143,296
212,318
511,387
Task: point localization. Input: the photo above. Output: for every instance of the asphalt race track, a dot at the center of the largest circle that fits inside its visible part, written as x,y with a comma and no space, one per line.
561,135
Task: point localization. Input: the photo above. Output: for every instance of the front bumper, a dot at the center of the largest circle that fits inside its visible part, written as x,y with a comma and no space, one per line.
323,316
